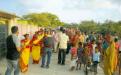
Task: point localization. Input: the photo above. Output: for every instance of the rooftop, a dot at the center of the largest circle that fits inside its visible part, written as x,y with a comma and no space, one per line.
7,15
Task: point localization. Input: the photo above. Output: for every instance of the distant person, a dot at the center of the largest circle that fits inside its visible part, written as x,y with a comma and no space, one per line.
13,52
110,59
92,36
55,37
63,40
96,59
37,46
94,45
119,44
80,56
119,55
75,38
73,57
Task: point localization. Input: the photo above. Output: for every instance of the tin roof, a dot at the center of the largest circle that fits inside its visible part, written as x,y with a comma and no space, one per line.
7,15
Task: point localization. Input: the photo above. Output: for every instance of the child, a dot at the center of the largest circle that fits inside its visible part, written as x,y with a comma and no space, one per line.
86,56
73,57
96,59
80,56
93,45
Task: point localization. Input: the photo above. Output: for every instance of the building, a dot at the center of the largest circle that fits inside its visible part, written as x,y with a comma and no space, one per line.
6,21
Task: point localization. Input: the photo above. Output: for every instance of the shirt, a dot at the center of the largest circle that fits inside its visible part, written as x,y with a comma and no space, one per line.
96,56
16,40
119,45
48,42
105,45
74,51
63,39
12,42
93,47
80,52
55,37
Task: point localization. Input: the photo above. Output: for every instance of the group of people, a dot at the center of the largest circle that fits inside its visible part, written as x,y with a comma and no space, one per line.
94,48
83,47
40,46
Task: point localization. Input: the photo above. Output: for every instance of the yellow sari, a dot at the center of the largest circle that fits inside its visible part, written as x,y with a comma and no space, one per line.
110,60
36,49
24,57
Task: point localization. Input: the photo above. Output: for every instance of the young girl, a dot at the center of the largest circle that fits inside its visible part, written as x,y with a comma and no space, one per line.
73,58
86,55
80,56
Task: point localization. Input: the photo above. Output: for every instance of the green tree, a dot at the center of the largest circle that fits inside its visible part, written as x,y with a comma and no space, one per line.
88,26
43,19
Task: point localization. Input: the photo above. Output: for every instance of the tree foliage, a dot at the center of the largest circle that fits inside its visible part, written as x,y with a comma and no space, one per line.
91,26
43,19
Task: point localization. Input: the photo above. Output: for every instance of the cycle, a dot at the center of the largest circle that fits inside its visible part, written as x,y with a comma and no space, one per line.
87,66
95,64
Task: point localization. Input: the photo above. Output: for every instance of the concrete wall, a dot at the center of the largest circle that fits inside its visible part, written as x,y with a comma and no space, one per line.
23,27
10,23
26,28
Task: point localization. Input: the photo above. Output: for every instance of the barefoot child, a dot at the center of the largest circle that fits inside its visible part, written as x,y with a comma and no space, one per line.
73,58
80,56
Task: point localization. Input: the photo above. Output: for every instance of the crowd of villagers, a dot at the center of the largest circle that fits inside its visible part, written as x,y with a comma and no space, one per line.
100,48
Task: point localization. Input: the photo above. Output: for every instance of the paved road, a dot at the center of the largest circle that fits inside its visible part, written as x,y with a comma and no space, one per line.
54,69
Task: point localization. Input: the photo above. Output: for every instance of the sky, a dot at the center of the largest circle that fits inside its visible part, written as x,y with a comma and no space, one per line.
69,11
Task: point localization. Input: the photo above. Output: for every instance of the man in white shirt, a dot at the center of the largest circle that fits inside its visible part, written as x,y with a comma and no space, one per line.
63,40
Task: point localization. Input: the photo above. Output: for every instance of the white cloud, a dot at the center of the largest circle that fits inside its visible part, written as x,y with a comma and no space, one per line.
103,4
42,4
116,1
76,10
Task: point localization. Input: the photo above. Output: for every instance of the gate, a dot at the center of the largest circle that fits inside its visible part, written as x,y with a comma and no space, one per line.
3,35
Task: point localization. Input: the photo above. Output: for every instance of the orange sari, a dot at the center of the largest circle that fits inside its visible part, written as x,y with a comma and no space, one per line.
24,57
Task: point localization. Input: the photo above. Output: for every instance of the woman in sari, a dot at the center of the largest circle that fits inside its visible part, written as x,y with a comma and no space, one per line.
110,59
81,37
75,39
36,47
24,57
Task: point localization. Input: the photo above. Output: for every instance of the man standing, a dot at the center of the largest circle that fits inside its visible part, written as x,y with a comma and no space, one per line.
55,39
13,52
63,40
47,50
